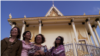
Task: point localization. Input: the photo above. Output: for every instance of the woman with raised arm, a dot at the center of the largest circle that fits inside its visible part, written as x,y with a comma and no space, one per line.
26,43
37,48
12,46
58,49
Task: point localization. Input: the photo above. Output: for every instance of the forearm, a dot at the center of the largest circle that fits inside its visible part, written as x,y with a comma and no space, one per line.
36,54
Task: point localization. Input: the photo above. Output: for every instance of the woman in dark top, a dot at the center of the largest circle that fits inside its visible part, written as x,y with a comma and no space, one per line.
38,49
12,46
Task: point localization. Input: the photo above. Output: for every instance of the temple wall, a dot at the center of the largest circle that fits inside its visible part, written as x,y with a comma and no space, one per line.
51,32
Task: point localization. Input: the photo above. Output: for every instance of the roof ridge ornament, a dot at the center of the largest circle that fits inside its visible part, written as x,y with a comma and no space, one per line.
53,3
84,13
53,7
24,16
10,16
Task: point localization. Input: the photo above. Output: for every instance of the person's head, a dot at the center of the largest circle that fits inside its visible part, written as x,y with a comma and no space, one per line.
27,35
39,39
15,32
59,40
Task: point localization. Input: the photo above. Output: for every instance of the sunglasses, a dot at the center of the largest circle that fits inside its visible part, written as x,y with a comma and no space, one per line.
14,30
58,39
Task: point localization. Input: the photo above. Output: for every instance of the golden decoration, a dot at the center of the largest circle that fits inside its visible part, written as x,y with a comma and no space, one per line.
84,14
24,16
99,12
32,39
81,37
10,16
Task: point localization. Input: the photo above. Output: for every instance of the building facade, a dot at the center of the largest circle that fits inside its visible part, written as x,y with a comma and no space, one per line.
76,30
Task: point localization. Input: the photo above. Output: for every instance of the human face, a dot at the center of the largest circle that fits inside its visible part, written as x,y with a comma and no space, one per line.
39,39
27,35
14,32
58,40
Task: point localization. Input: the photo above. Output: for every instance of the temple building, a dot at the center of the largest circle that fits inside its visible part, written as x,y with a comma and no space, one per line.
76,30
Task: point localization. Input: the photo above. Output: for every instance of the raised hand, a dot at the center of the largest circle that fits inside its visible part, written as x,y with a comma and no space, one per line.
41,52
36,54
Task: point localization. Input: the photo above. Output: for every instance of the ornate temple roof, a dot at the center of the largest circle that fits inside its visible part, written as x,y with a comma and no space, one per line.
53,11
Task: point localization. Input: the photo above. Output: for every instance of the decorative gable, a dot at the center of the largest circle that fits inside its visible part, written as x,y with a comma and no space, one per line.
53,11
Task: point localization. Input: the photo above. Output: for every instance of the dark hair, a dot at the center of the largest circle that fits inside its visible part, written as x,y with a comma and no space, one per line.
25,34
43,38
61,43
18,36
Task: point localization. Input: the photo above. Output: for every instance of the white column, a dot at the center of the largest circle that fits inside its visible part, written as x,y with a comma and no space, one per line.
97,20
90,39
96,35
76,36
87,35
23,30
13,25
91,31
98,23
39,26
75,49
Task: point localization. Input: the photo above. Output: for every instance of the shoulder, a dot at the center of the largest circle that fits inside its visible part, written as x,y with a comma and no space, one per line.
5,40
19,41
61,46
22,41
2,40
53,47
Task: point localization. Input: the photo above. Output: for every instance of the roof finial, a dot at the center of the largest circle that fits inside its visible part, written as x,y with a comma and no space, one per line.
10,16
99,12
24,16
84,14
52,2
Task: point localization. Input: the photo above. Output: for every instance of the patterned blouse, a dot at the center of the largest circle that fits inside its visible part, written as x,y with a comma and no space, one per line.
36,48
59,51
25,48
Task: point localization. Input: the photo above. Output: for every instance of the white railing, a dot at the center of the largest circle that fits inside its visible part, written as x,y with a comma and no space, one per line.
82,50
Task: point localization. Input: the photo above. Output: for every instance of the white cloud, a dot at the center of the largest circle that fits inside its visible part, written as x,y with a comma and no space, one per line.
96,9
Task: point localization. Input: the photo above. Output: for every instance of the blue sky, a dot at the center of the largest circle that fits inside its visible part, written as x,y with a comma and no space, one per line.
39,8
